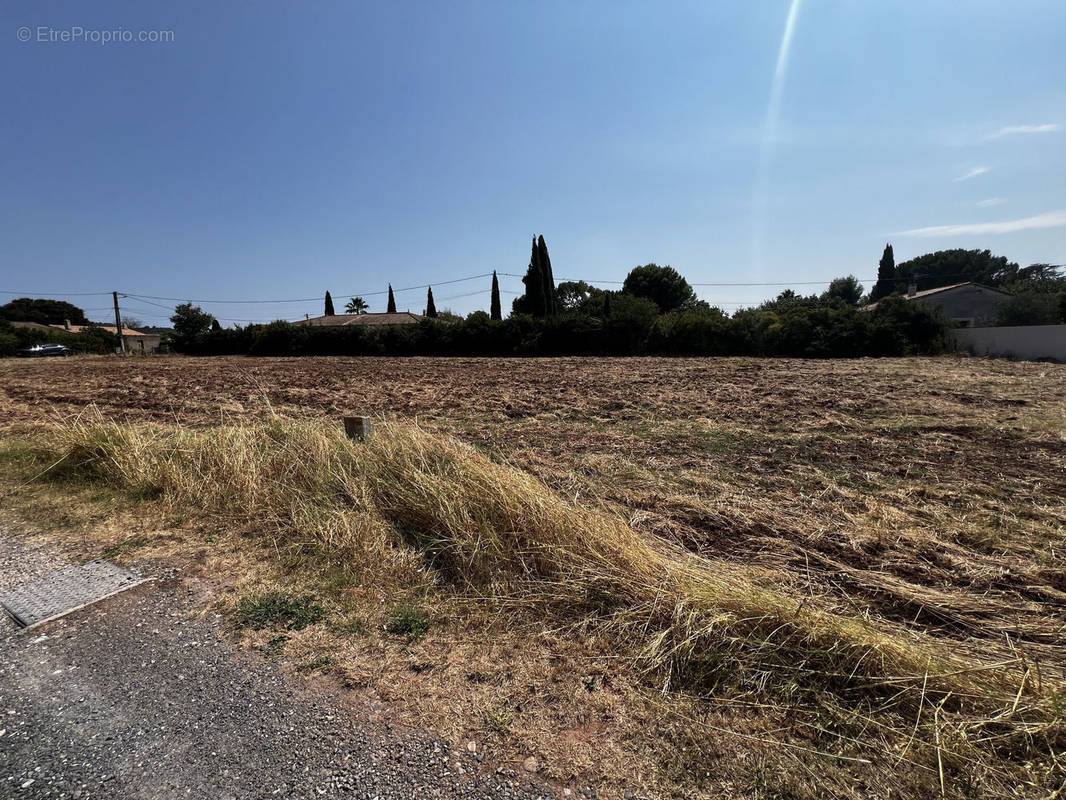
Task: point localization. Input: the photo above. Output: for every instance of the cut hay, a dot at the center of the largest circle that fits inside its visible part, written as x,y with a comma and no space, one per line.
410,499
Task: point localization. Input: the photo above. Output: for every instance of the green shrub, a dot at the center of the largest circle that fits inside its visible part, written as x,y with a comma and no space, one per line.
1031,308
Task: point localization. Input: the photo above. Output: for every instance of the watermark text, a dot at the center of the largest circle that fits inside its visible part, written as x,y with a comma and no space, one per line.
76,34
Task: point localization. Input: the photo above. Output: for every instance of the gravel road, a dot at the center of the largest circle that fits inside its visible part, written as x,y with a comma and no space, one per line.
136,697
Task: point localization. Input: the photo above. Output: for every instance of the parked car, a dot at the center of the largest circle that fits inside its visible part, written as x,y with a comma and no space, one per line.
45,350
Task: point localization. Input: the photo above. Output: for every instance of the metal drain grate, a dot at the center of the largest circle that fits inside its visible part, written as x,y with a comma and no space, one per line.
67,590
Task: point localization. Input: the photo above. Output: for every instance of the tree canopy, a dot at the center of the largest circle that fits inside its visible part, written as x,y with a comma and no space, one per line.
539,299
190,323
357,305
846,290
1034,278
664,286
886,275
572,294
495,312
947,267
44,312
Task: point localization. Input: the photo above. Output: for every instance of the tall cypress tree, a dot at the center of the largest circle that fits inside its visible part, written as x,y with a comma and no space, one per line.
886,275
534,281
329,305
551,303
431,308
392,302
606,304
494,307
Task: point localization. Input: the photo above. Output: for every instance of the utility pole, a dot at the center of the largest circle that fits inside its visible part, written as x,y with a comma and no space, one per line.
118,324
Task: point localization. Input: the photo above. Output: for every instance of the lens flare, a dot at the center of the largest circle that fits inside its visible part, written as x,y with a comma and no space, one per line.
769,137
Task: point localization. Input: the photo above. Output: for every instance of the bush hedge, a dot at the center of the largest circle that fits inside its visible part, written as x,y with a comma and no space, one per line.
800,327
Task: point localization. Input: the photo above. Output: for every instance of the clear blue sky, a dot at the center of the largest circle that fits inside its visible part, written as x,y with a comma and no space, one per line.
274,150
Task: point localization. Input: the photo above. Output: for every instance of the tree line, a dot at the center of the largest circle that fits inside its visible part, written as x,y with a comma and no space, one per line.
656,312
357,305
788,326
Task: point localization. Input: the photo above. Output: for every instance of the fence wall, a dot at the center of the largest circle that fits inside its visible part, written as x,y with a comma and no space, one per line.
1024,342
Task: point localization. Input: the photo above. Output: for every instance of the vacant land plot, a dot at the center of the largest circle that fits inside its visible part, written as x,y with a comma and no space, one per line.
919,500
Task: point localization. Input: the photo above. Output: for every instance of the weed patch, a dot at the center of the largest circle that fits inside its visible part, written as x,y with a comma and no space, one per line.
317,664
277,610
410,622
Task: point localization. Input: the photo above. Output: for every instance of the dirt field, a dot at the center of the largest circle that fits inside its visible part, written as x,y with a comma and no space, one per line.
926,493
823,463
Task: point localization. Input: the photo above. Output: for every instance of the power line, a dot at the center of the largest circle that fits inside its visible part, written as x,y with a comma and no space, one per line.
310,299
473,294
64,294
149,299
780,283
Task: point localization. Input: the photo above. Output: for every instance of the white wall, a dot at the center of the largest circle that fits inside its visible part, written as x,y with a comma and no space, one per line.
1024,341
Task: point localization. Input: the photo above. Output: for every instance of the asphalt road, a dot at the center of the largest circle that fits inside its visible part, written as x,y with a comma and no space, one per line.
139,697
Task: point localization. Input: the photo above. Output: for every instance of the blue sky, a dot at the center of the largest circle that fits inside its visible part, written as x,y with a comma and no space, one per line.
273,150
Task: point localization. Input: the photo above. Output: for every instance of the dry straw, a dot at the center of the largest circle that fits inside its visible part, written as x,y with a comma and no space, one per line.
410,501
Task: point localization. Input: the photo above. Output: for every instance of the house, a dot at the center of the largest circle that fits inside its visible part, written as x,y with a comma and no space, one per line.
967,305
135,341
358,320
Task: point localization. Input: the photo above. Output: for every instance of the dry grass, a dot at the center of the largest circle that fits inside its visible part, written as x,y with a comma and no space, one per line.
780,579
417,512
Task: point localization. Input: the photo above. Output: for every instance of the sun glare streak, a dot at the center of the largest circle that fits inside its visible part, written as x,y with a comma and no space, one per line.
769,137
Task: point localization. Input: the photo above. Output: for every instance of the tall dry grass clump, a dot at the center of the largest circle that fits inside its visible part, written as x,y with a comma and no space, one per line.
409,501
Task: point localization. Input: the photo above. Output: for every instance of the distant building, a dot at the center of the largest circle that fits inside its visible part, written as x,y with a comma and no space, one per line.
345,320
136,341
967,305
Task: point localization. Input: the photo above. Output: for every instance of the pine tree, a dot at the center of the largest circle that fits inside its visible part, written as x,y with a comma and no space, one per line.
494,307
551,303
392,302
329,305
886,275
431,308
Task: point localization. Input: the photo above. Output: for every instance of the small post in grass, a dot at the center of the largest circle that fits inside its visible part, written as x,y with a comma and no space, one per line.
358,428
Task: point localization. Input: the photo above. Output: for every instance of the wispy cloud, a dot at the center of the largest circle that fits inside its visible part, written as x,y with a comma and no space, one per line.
989,202
1011,130
971,173
1049,219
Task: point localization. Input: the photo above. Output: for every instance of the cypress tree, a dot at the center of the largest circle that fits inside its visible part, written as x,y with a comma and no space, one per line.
886,275
534,281
551,303
494,307
431,308
392,302
606,304
329,305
